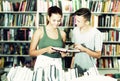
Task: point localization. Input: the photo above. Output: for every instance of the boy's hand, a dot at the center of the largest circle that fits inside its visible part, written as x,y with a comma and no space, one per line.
80,47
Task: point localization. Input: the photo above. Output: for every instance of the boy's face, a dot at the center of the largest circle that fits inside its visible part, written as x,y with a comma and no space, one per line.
80,21
55,20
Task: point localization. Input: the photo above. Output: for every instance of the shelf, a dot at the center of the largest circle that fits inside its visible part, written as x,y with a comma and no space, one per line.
104,28
71,27
110,56
108,68
111,42
16,27
13,55
100,13
106,19
18,22
108,71
105,42
15,41
44,13
18,12
60,27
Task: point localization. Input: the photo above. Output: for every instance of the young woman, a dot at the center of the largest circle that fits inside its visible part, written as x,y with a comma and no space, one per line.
46,38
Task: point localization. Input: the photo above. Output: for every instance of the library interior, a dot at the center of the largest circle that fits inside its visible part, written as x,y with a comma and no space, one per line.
19,21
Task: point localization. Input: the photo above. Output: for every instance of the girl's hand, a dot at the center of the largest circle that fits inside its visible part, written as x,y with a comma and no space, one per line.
63,54
50,50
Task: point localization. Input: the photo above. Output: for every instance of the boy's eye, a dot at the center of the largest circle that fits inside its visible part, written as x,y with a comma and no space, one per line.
78,21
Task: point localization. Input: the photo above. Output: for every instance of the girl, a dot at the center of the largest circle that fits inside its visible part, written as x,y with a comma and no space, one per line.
48,62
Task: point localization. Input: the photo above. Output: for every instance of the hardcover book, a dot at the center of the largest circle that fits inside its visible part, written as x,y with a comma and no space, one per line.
65,50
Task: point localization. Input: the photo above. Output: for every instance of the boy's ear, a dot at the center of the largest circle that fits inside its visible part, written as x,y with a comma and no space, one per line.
48,18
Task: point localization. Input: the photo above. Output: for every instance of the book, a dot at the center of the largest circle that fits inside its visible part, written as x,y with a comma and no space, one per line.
65,50
66,7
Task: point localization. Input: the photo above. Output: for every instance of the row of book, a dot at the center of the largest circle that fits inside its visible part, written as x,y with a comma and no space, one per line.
9,62
110,35
111,50
23,49
25,34
72,5
67,20
14,48
24,5
106,20
108,63
16,34
14,19
31,5
104,6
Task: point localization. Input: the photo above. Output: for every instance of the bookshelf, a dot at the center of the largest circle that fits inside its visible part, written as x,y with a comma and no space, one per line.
106,16
17,24
20,18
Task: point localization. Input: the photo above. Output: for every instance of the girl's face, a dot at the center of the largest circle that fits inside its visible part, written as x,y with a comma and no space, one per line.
55,20
80,21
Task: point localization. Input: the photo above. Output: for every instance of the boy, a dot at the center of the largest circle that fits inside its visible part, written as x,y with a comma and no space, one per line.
88,40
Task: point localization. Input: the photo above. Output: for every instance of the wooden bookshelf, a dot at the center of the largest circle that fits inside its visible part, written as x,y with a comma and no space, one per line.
106,18
31,14
17,24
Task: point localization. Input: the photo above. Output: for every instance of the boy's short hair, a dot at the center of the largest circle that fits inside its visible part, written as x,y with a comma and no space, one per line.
85,12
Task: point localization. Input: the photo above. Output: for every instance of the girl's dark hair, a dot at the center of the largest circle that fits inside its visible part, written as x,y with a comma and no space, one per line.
85,12
55,10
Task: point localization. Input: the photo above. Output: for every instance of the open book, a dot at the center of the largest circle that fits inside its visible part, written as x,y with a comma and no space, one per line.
65,50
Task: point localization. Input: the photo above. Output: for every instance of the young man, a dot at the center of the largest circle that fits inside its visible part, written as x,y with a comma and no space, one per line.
88,40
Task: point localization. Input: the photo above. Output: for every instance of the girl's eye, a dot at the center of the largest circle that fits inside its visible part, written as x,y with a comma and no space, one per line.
59,21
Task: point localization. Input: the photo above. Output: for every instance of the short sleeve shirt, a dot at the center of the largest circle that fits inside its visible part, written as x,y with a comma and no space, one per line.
92,40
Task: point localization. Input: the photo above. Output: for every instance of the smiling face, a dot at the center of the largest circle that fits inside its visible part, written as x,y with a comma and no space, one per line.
55,20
